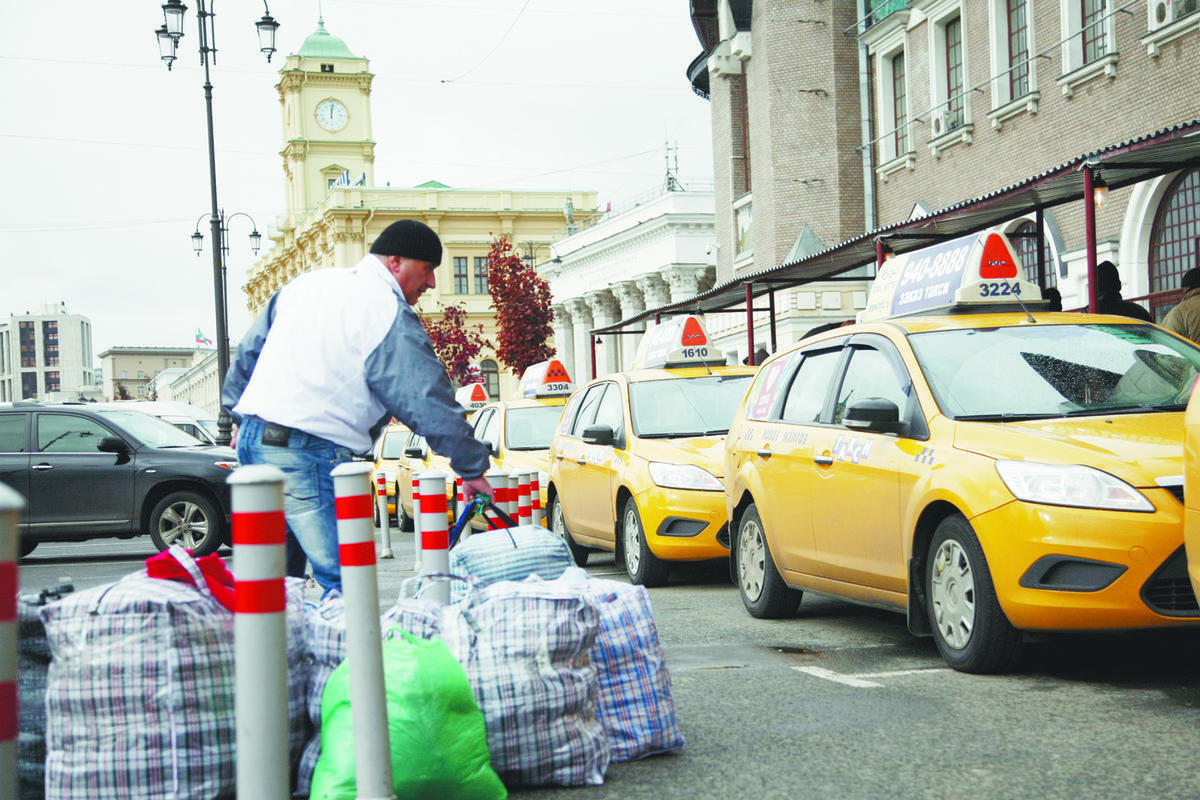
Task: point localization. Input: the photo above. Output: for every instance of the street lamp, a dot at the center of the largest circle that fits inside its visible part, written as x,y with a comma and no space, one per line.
198,245
168,36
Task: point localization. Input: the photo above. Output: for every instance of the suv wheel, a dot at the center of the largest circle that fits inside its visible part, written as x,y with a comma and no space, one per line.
189,519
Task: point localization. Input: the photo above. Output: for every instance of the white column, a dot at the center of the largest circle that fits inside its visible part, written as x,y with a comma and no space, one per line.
632,301
581,320
564,339
654,292
604,313
684,280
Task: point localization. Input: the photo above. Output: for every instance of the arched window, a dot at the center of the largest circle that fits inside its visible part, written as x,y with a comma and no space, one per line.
1173,241
1024,241
491,378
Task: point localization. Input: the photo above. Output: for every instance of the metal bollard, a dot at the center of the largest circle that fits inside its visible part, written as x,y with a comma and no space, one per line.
11,504
514,488
360,593
260,632
499,483
416,494
535,499
385,520
435,533
524,509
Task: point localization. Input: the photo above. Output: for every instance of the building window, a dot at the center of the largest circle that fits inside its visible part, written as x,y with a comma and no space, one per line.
1024,241
900,104
954,72
1094,38
481,275
25,337
28,385
743,228
141,375
460,275
491,377
1018,49
52,382
1173,241
739,136
50,343
124,374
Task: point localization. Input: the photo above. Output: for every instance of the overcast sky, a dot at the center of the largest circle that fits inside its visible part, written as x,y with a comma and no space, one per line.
106,151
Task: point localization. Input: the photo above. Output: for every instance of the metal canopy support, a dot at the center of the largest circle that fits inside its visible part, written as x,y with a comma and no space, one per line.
1089,225
750,323
774,341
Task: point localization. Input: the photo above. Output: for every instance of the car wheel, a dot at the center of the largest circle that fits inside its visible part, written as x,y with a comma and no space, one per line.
403,520
763,591
970,628
25,546
643,567
188,519
558,527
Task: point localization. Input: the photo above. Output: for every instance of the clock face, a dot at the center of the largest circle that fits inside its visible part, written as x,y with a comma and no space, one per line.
331,115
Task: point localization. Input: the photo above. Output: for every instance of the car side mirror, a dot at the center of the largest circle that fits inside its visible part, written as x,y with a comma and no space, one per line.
874,414
492,447
413,451
598,434
112,444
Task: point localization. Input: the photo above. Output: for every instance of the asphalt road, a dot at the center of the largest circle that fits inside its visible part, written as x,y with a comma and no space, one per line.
841,702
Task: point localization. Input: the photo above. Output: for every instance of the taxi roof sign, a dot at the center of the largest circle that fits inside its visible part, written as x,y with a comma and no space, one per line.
545,379
471,396
678,342
979,270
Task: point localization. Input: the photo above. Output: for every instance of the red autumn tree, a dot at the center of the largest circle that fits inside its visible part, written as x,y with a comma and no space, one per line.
456,342
521,299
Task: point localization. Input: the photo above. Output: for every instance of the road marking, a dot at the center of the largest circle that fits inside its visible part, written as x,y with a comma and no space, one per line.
857,681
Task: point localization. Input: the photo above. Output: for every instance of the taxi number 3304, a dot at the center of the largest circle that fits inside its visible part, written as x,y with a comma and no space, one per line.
999,289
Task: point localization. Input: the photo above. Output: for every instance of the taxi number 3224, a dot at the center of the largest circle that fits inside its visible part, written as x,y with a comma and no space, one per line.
999,289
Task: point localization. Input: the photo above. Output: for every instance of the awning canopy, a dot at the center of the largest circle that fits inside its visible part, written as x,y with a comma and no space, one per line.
1129,162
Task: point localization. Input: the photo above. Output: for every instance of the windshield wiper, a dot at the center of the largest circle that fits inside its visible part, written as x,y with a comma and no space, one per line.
1146,408
1005,416
664,435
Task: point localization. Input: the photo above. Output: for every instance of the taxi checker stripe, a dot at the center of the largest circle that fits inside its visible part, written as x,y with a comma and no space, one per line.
355,506
356,554
259,527
259,597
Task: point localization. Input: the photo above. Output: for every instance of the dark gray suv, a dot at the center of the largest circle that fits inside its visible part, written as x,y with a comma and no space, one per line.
89,473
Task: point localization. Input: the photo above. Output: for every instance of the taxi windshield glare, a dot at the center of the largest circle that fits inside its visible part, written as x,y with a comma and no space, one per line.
531,428
1044,371
680,407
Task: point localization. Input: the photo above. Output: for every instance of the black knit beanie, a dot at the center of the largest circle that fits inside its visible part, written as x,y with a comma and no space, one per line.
409,238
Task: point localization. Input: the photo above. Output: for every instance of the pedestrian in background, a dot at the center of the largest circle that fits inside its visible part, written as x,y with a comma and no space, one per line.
1055,297
1184,318
332,358
1108,294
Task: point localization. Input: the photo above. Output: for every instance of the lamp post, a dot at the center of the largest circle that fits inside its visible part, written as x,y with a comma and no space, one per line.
169,35
198,245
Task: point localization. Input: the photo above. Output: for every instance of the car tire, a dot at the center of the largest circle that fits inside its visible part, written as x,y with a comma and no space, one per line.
971,630
189,519
764,594
558,526
403,521
25,546
643,567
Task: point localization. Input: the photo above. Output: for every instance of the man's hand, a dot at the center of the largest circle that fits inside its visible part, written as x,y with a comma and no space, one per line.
475,486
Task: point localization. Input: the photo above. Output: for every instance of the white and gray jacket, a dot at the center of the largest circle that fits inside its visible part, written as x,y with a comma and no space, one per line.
336,353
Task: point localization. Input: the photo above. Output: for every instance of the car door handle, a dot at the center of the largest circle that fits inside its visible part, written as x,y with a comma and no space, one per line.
42,467
580,461
558,456
824,460
764,453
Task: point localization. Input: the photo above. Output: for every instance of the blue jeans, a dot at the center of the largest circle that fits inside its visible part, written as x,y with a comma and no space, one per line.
308,499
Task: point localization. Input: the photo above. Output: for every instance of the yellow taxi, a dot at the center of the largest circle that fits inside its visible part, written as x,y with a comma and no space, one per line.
635,462
419,457
1191,489
388,455
518,432
968,459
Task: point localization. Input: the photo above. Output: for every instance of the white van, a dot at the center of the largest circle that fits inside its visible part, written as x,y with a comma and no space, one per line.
188,418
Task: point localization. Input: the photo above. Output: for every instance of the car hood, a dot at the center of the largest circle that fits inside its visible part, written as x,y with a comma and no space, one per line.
527,459
1138,448
706,452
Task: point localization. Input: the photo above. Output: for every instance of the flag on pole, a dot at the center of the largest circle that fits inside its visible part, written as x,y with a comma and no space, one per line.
201,338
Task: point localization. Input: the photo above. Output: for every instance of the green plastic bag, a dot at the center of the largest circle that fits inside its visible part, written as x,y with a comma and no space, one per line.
435,729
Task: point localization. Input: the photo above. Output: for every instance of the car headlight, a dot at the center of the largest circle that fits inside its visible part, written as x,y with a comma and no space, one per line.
1070,485
683,476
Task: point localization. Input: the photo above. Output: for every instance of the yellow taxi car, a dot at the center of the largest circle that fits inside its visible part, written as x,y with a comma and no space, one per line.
388,454
518,432
1191,489
635,463
965,458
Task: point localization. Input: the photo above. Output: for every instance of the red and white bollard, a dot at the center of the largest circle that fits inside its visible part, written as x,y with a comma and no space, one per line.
416,503
524,508
535,499
385,519
499,483
11,504
260,632
360,593
435,533
514,489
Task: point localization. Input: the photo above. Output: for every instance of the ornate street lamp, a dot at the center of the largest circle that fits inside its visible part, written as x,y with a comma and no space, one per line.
168,36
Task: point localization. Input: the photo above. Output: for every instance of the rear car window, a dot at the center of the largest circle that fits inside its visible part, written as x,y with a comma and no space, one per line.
12,433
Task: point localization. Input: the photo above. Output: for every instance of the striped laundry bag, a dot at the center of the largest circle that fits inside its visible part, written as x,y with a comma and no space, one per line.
509,554
140,692
636,706
33,664
525,647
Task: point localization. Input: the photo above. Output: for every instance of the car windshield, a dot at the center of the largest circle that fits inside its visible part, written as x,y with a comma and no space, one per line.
531,428
393,445
209,425
1036,371
679,407
151,430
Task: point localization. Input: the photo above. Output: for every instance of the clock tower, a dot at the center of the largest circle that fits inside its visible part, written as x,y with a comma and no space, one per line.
325,94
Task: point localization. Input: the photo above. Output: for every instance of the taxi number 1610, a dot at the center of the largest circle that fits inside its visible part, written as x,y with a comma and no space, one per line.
695,352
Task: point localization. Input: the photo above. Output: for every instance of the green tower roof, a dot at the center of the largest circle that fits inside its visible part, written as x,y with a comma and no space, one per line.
322,44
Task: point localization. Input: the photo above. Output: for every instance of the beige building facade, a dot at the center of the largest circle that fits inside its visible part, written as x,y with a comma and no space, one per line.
132,368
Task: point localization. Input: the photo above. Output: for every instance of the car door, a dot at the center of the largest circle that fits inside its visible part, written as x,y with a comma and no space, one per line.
601,465
72,484
785,453
14,457
856,502
570,480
